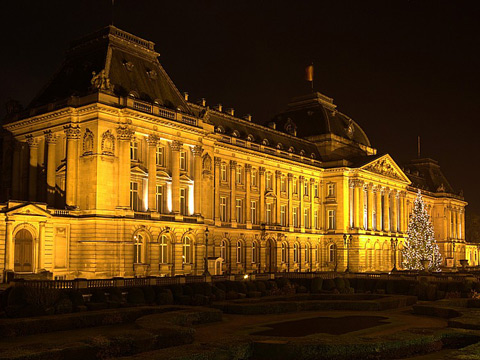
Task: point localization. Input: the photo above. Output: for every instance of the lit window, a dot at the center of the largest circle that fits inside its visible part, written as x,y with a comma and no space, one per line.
284,253
163,258
254,177
295,216
268,213
374,212
315,219
254,252
138,249
253,211
239,210
283,215
331,190
160,156
134,199
186,250
306,217
283,184
306,188
160,199
183,201
332,253
268,181
239,252
307,253
239,175
223,208
134,150
331,219
223,171
365,209
223,250
296,253
295,186
183,160
315,190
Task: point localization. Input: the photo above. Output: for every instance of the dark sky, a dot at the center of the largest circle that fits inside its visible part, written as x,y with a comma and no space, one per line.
399,68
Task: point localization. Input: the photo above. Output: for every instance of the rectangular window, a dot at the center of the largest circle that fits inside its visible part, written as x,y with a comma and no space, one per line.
399,214
223,208
134,199
331,190
374,212
160,156
239,175
268,181
306,217
183,160
253,211
315,190
283,184
315,219
223,172
365,209
134,150
183,201
254,177
331,219
295,216
295,186
239,211
160,198
352,205
283,215
268,213
382,213
306,188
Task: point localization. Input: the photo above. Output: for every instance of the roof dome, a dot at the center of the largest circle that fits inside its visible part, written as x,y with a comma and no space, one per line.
315,114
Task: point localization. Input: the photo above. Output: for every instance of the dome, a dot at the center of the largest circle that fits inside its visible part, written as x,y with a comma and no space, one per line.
315,114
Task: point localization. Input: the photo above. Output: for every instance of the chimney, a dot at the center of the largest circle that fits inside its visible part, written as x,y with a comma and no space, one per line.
248,117
219,107
272,125
231,111
202,102
185,95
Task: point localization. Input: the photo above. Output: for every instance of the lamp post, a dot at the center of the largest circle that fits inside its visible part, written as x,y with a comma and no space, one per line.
394,243
347,240
205,259
453,253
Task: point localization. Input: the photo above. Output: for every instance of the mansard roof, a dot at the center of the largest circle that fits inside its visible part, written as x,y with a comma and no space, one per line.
129,62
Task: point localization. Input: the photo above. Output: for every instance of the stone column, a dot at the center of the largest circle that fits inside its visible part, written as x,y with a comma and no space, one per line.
33,168
248,183
378,190
176,146
369,207
10,248
233,193
278,175
290,202
152,141
17,171
386,212
197,186
41,246
124,136
312,204
73,134
300,197
217,163
51,141
261,188
321,214
394,221
361,205
356,205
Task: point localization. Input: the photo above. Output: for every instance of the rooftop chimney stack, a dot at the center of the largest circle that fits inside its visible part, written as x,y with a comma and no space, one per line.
219,107
203,102
185,95
248,117
231,111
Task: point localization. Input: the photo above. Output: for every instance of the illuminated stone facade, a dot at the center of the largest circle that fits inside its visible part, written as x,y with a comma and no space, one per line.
115,173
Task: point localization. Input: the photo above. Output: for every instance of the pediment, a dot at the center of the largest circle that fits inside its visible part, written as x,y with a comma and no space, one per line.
27,208
184,177
163,174
139,170
387,167
270,194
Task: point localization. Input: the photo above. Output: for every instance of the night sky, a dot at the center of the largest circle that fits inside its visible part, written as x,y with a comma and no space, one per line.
399,68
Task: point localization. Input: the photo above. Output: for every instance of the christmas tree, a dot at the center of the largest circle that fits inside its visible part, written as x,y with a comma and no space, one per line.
420,244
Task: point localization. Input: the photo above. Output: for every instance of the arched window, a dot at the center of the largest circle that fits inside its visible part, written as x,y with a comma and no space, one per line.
223,249
239,252
138,243
254,252
187,250
284,253
296,254
163,258
332,253
307,253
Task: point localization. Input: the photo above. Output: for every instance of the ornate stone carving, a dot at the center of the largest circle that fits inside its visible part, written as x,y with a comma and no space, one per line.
88,142
261,170
50,138
101,81
108,143
248,168
278,174
207,162
384,167
124,133
197,150
152,140
176,145
72,132
31,141
290,176
218,161
233,164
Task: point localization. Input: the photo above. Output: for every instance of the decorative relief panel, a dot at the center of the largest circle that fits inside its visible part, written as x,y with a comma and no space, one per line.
88,142
108,143
384,167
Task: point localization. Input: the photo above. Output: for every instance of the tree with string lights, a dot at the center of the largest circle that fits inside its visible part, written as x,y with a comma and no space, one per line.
420,243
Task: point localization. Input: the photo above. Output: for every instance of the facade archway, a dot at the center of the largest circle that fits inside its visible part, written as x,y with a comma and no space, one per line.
23,254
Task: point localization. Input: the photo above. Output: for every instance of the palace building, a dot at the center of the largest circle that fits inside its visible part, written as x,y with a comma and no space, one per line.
111,171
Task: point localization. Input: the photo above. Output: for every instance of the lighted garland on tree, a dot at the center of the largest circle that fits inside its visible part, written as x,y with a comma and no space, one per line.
420,244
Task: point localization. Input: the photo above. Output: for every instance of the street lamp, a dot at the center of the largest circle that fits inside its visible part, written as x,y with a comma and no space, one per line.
347,240
205,259
394,243
453,251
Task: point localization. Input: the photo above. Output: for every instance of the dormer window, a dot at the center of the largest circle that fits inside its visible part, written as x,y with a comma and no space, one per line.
291,149
302,152
220,129
133,94
235,133
250,138
312,155
265,142
279,146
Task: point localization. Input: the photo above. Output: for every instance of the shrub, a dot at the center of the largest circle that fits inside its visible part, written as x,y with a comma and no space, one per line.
328,284
4,297
339,283
316,285
360,286
242,287
164,297
76,298
301,289
149,294
262,287
380,286
17,296
251,286
219,294
183,300
347,283
200,300
188,290
282,282
231,295
63,306
221,285
271,284
98,296
115,295
135,296
176,289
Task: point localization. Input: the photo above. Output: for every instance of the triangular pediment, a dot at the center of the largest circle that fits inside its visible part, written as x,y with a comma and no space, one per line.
185,178
387,167
139,170
270,194
163,174
27,208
